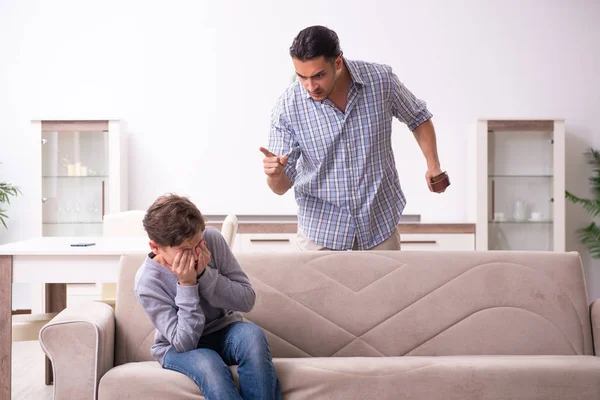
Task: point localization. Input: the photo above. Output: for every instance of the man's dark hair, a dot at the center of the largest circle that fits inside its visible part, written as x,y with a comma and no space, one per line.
173,219
316,41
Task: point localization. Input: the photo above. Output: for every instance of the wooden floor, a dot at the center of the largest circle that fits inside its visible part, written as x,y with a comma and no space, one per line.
28,372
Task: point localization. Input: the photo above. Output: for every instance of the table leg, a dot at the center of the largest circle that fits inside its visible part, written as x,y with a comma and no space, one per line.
5,326
56,301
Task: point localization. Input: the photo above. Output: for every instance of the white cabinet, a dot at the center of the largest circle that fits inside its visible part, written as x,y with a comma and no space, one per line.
519,184
265,242
437,241
277,242
83,175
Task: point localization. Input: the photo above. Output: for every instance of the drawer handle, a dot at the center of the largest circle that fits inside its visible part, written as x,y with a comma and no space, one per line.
269,240
418,241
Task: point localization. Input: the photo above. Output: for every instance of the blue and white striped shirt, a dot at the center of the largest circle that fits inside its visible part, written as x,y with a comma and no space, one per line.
341,164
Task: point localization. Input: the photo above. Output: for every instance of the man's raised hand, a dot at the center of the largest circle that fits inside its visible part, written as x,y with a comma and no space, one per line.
273,164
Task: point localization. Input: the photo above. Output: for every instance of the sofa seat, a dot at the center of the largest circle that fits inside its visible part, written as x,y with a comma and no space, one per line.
393,378
147,380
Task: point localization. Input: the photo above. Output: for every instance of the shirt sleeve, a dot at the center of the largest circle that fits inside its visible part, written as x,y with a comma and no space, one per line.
180,320
405,106
282,140
226,285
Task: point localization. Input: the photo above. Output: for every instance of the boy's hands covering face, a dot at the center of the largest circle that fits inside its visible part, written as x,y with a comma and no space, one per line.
203,256
184,267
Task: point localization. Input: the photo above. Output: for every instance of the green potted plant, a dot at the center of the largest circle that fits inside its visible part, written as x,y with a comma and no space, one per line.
6,191
590,235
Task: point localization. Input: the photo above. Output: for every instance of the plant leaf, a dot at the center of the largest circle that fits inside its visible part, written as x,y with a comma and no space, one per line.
592,157
591,206
590,237
6,190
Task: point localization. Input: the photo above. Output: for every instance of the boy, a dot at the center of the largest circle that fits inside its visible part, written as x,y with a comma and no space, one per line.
193,289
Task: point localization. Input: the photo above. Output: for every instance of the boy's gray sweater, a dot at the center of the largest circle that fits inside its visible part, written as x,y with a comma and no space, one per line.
182,314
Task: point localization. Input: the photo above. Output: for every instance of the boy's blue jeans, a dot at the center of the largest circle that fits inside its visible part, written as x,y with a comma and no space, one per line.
241,343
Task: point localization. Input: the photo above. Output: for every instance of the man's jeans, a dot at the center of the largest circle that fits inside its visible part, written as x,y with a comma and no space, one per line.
241,343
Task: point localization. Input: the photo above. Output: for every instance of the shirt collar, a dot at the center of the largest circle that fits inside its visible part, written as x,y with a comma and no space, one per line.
354,72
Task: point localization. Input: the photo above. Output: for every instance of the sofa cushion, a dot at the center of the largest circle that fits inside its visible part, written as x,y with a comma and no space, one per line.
421,303
395,303
393,378
442,378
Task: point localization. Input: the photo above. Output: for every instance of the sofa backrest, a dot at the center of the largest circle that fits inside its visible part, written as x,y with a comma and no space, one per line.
398,303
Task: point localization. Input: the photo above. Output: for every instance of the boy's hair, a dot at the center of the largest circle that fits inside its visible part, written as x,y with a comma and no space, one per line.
173,219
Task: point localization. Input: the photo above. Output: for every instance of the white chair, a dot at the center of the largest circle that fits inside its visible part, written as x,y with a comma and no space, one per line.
126,223
121,224
27,326
229,229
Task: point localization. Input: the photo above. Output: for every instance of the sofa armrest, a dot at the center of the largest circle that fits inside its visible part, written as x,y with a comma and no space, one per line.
595,320
80,342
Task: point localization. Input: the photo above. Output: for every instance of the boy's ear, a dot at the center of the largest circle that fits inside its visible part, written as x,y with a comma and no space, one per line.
154,247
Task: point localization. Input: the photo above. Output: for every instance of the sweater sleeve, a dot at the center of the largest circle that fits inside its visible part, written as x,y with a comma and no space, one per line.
225,284
178,319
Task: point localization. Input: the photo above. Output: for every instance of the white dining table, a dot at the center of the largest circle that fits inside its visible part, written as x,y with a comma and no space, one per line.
55,262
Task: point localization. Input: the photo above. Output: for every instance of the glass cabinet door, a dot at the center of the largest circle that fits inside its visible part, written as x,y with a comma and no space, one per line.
75,177
520,188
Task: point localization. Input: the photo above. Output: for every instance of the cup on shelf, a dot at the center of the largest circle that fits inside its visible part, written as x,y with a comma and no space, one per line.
77,209
68,207
498,216
58,211
519,210
536,216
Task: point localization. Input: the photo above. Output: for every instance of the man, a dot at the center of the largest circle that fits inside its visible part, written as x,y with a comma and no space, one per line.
330,138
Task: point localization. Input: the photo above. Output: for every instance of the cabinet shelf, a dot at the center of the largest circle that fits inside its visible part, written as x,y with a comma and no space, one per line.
521,176
521,222
74,176
73,223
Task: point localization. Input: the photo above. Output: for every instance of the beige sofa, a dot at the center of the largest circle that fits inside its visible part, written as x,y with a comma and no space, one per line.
367,325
